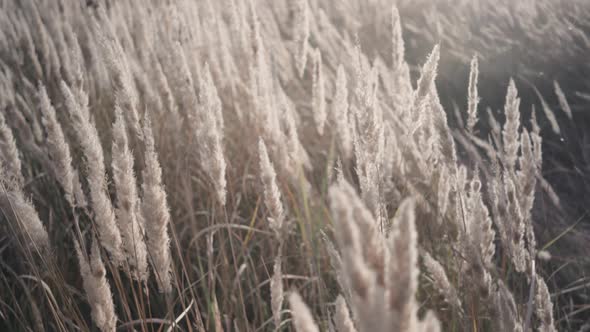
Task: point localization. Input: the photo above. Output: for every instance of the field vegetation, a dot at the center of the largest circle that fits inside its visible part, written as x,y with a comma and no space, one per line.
244,165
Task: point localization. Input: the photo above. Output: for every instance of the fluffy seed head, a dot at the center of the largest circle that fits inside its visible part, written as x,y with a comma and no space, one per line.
272,194
276,292
132,231
87,135
155,212
473,98
9,155
96,286
58,147
302,318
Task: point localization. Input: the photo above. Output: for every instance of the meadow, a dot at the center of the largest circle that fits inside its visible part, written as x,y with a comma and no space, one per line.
306,165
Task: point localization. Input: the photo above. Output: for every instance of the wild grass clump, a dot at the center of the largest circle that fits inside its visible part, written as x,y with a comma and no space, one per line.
247,166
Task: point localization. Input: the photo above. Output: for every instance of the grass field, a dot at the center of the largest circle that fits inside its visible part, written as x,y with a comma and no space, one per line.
258,165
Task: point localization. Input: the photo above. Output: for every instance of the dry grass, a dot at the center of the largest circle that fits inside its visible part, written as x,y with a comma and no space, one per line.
220,159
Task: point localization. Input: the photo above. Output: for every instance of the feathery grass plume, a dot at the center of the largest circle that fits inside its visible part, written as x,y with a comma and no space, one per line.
41,41
403,268
297,154
365,78
510,131
342,319
169,103
444,188
62,50
382,284
96,286
340,113
509,220
132,232
495,129
262,92
543,306
548,113
478,227
272,194
9,154
368,137
318,92
209,97
276,291
473,97
371,238
527,181
210,133
537,140
164,88
181,84
30,123
398,51
302,318
227,63
16,206
339,171
518,227
442,137
265,118
59,149
427,77
359,279
77,59
31,49
441,281
505,309
87,135
48,50
565,106
122,78
301,30
402,85
97,68
155,212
